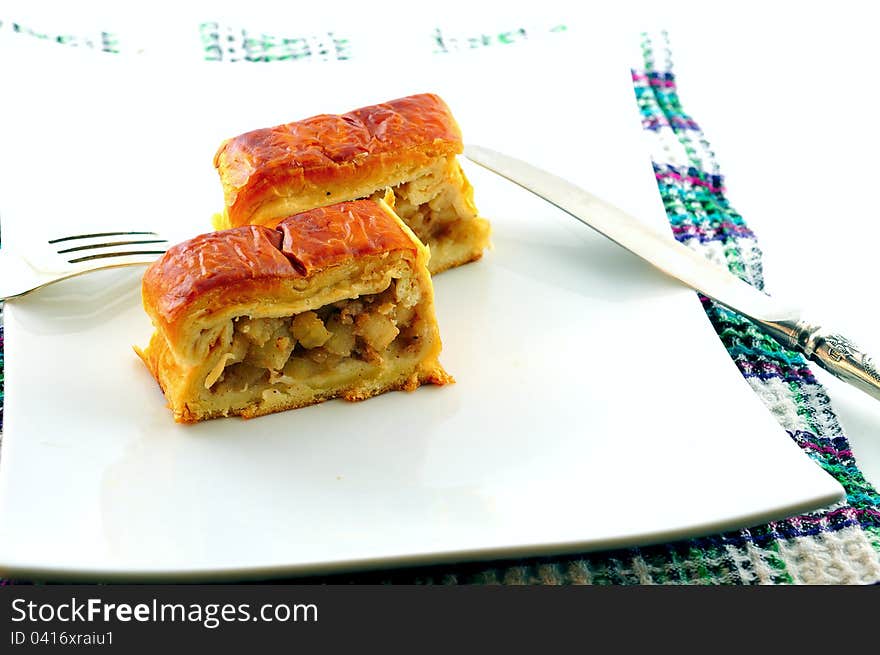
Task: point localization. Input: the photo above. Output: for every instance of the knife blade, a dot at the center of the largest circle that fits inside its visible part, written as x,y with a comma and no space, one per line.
830,350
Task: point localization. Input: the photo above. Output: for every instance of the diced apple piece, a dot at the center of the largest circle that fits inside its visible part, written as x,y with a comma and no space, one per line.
343,339
403,315
273,354
377,330
407,293
300,368
309,330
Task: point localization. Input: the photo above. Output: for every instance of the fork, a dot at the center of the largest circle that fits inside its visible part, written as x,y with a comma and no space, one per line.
69,256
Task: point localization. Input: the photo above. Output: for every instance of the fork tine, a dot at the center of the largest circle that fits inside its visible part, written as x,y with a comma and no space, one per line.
106,245
107,255
112,244
98,234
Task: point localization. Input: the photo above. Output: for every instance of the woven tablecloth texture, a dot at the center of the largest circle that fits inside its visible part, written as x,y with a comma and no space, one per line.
837,545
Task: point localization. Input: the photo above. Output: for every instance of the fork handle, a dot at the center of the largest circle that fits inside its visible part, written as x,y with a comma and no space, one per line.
830,350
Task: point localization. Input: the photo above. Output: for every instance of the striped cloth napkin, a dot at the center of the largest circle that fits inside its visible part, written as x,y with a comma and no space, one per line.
837,545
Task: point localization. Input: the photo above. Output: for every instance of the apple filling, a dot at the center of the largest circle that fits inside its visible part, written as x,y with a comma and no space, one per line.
438,206
430,203
330,347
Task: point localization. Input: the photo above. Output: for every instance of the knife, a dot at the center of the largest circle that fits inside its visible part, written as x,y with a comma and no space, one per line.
830,350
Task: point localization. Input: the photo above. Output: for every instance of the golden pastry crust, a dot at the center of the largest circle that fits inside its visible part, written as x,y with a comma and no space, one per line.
254,259
205,294
409,144
370,143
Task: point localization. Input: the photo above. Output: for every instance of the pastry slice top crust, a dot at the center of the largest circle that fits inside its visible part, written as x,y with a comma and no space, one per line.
210,273
350,154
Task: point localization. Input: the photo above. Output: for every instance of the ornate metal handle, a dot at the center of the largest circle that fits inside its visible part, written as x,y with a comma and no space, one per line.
833,352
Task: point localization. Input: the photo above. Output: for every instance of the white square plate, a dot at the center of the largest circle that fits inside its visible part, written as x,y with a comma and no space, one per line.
594,405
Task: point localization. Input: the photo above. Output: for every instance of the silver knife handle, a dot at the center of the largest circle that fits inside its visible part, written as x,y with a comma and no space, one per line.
833,352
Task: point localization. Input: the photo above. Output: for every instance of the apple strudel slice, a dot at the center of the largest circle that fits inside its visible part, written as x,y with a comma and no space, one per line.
409,144
333,302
